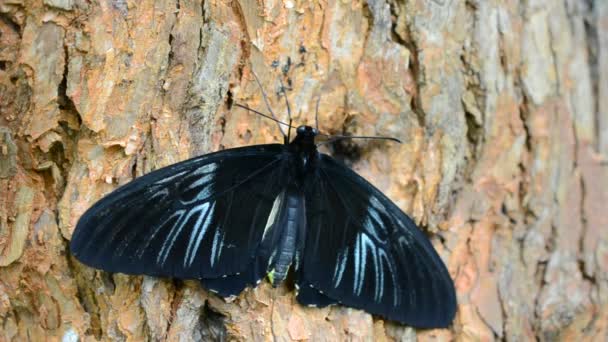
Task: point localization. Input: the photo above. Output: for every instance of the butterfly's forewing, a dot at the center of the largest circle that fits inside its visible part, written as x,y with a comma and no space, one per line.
364,252
201,218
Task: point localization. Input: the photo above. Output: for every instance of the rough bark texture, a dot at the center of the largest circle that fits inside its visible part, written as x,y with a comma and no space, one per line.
502,107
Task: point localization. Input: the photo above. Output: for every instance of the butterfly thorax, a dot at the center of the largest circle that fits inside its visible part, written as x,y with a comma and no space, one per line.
305,151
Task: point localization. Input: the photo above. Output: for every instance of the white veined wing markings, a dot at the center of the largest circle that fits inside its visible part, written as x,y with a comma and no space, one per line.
360,259
201,233
198,190
271,182
198,232
402,227
379,273
142,249
373,216
272,217
201,186
372,225
162,193
221,249
384,259
340,267
223,219
206,194
205,169
344,228
342,257
296,260
170,178
362,242
201,181
365,244
357,259
403,242
176,230
170,238
216,247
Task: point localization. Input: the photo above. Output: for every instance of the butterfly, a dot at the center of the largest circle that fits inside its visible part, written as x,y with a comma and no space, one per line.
234,217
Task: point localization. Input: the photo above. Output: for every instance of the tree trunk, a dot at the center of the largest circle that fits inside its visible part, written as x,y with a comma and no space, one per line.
502,108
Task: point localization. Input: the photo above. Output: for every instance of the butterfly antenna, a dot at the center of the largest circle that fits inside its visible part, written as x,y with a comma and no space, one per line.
268,106
279,122
288,107
334,138
317,113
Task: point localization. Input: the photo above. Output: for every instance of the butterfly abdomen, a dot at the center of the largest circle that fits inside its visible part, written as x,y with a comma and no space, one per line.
290,223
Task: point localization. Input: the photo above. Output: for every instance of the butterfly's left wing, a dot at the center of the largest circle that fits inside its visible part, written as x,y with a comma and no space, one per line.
203,218
361,250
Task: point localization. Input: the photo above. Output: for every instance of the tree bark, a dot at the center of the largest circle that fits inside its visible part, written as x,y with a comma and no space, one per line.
502,108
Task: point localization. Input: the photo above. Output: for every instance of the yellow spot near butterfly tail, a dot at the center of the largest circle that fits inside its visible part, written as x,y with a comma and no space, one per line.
270,276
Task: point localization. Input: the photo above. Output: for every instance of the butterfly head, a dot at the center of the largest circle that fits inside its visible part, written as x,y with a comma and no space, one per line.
307,131
304,141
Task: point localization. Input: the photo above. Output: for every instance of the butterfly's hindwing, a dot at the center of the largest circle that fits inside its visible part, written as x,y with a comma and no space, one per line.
309,296
364,252
232,285
202,218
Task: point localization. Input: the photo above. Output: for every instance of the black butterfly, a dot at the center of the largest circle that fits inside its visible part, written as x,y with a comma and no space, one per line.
232,217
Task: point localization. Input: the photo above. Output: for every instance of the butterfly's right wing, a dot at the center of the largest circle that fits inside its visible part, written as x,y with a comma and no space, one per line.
362,251
203,218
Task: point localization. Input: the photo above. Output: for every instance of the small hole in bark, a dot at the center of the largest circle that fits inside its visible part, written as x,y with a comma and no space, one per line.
229,99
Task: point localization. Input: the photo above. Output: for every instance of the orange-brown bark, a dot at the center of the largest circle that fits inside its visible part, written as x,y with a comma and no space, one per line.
502,108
